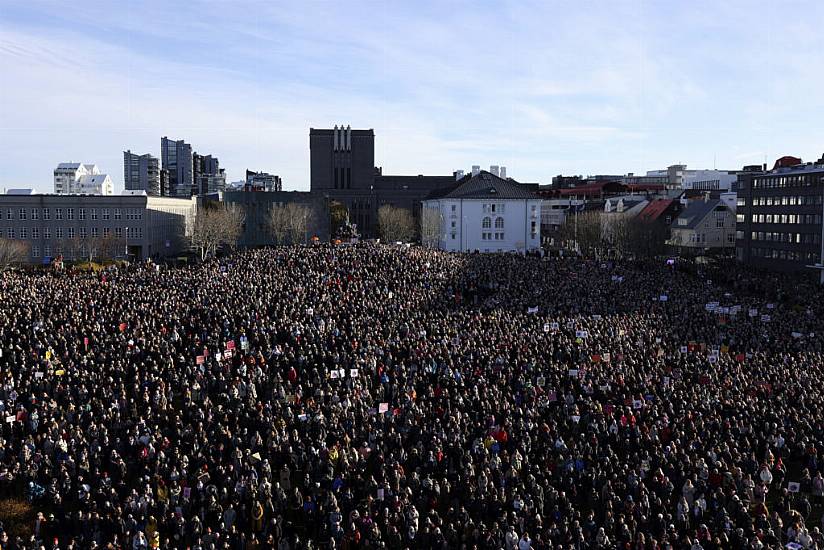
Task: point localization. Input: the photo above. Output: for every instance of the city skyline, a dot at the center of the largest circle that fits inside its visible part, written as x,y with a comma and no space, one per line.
541,88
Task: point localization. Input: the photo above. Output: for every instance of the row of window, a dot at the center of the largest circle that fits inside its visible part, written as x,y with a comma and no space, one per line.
486,223
784,200
701,238
24,213
71,233
776,182
795,255
798,238
492,208
492,236
808,219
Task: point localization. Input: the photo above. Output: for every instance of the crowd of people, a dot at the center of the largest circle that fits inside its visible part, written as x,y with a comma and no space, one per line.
379,397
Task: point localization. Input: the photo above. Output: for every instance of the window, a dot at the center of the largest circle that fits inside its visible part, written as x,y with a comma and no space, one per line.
23,213
95,232
118,231
47,233
24,233
731,238
106,231
93,213
454,207
81,213
82,232
69,213
719,222
105,213
739,218
487,223
46,214
58,213
35,252
58,233
10,232
47,251
35,213
71,232
454,224
453,236
499,223
35,232
117,213
9,214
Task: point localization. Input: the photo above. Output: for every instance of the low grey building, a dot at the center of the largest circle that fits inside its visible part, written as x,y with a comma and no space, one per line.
140,225
257,206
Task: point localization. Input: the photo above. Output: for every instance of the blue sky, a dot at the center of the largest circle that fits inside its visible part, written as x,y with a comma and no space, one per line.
543,87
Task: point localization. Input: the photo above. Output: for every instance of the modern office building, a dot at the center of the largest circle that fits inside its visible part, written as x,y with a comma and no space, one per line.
207,175
677,177
176,158
141,173
779,215
487,213
74,178
262,181
132,225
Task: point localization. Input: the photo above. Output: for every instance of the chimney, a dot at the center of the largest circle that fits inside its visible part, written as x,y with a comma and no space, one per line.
503,172
493,169
764,168
459,174
476,169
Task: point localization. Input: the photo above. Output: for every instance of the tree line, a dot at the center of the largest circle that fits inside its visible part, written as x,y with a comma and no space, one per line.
597,235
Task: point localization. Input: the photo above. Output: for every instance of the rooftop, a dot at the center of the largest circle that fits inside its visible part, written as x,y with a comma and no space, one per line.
485,185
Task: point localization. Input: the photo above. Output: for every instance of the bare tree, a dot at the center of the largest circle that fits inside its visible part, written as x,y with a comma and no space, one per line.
99,247
12,252
616,229
431,226
279,223
291,223
647,239
584,232
300,216
215,226
395,224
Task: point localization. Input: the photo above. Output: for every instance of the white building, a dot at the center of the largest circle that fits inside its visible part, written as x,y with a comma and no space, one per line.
74,178
487,213
702,180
